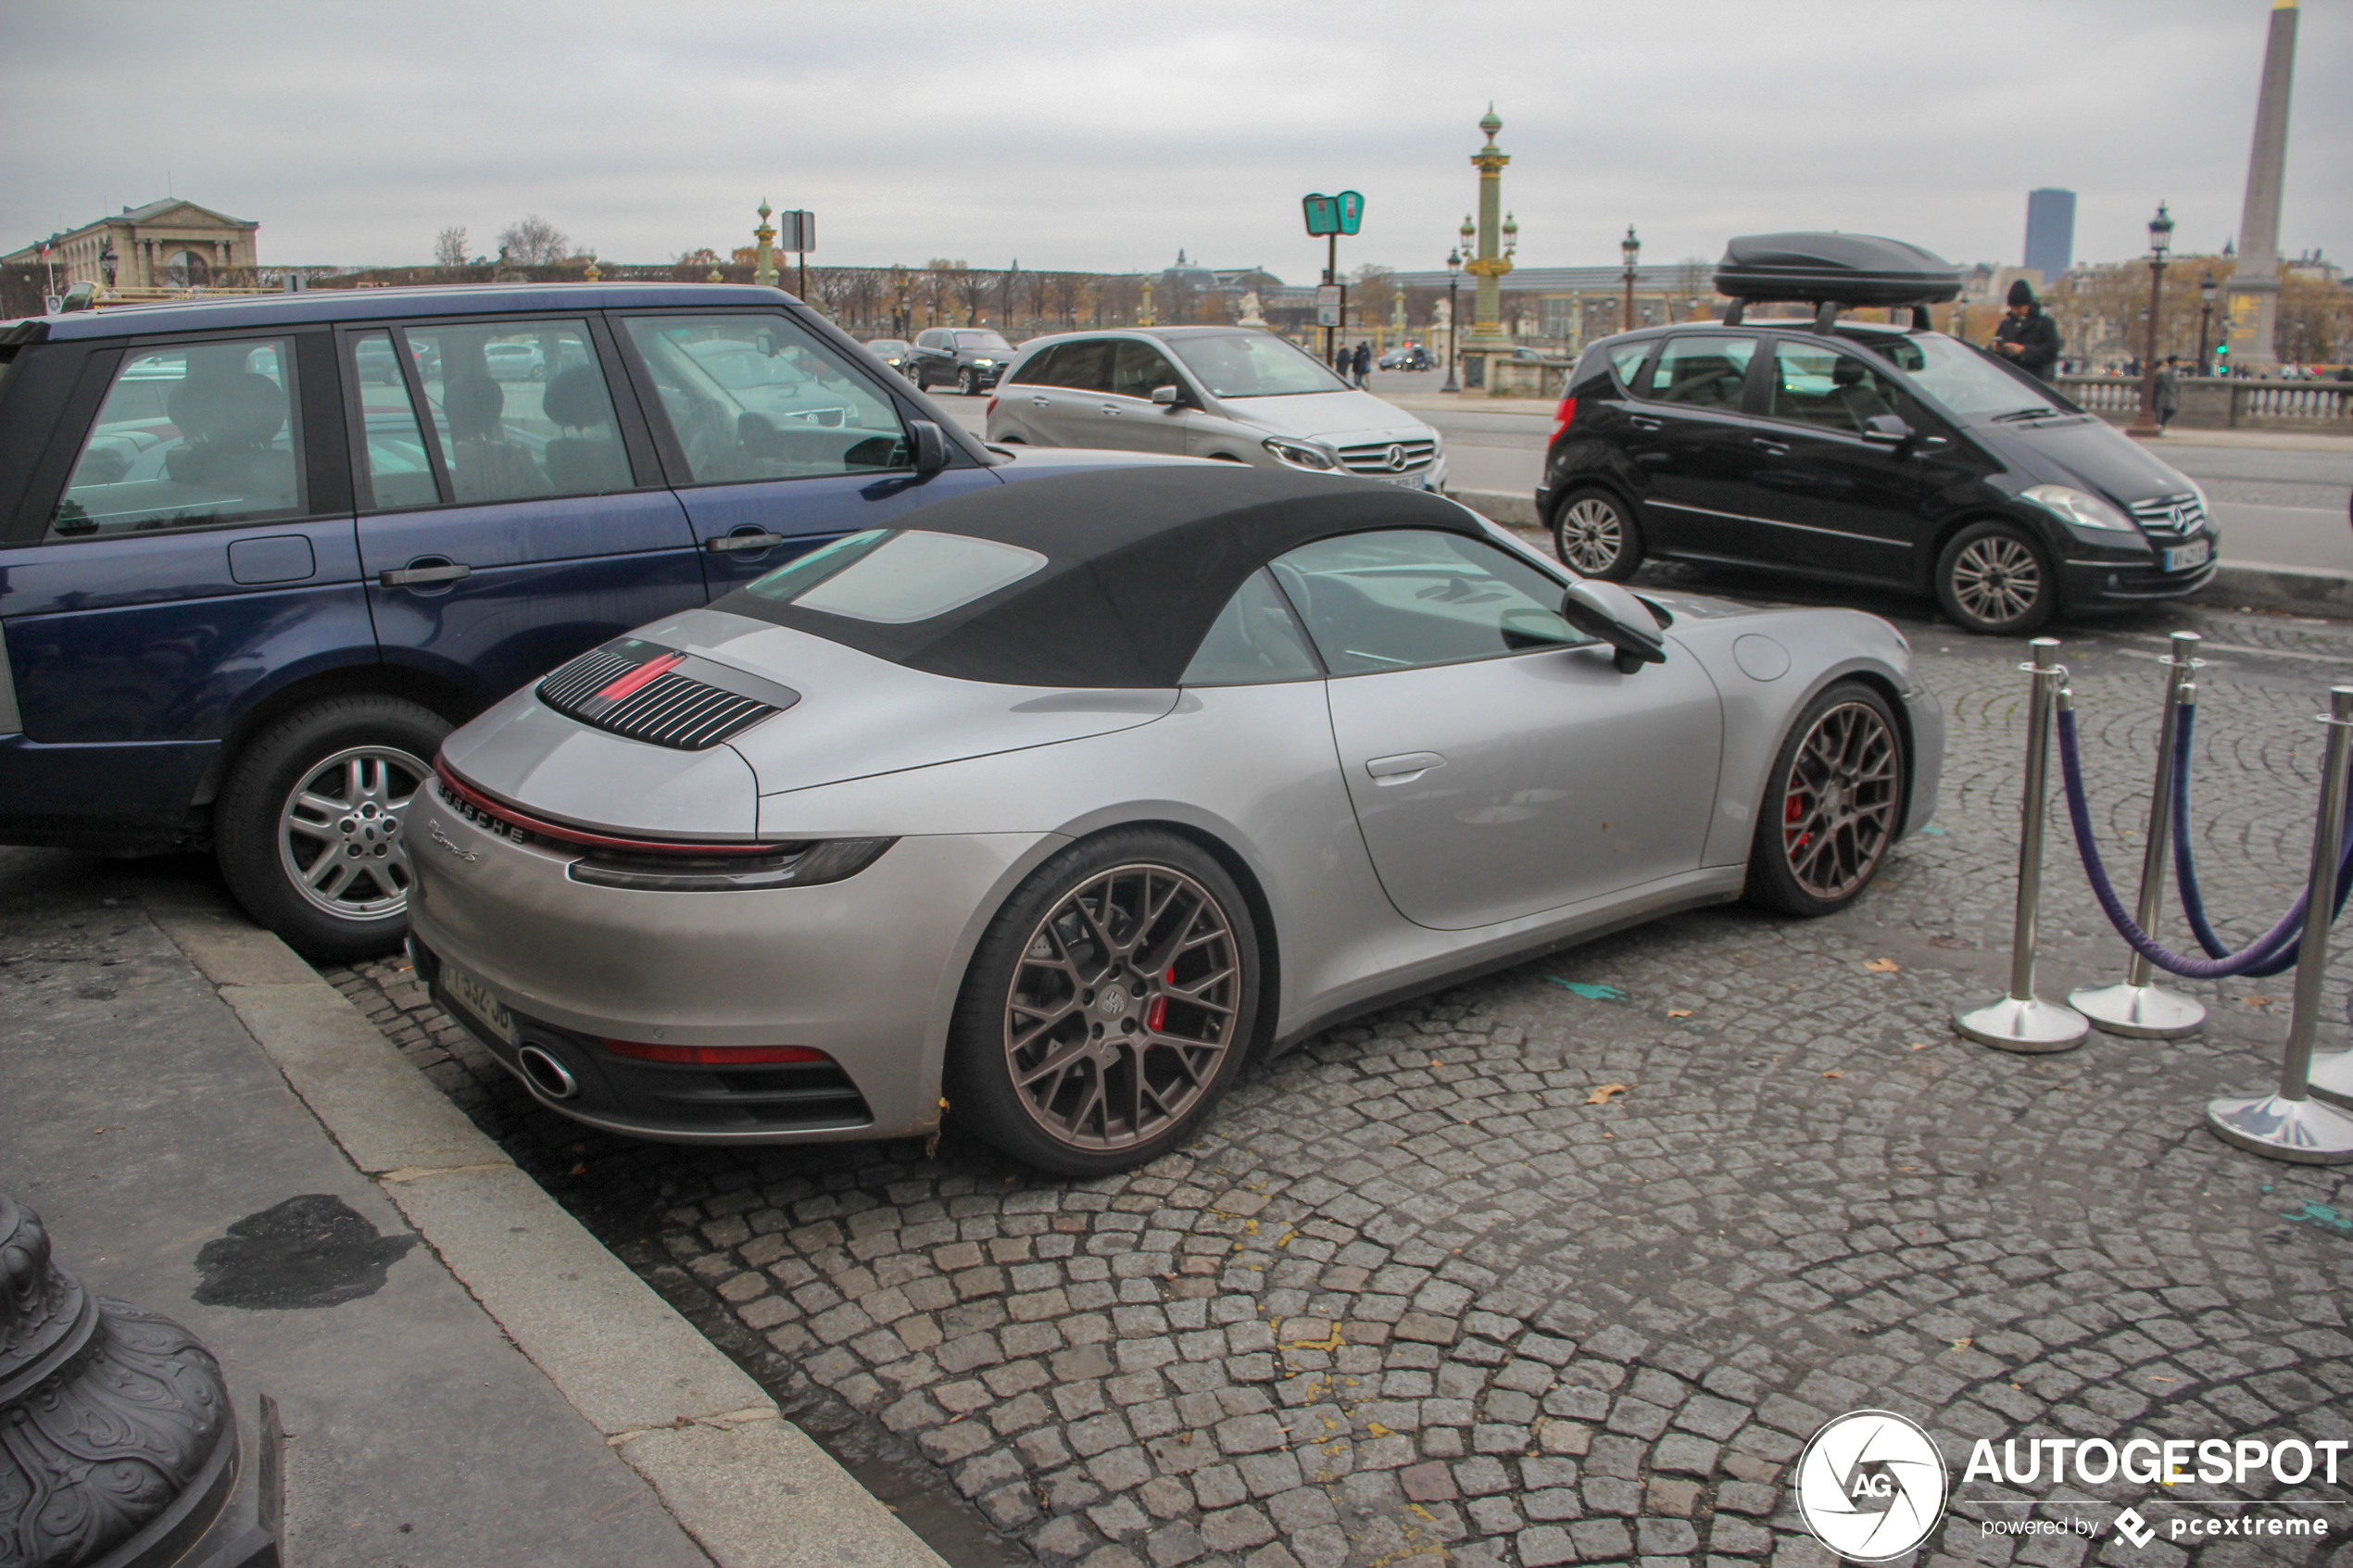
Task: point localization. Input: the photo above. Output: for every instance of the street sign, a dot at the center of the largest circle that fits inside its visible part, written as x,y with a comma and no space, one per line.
1328,305
1342,214
796,231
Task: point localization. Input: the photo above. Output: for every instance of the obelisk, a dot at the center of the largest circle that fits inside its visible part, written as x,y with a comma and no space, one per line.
2255,282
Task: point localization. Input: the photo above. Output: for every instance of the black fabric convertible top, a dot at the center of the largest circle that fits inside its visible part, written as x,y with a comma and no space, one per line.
1139,563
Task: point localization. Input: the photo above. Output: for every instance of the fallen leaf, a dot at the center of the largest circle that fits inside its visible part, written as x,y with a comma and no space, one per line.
1833,1073
1600,1095
1919,1045
1885,966
1679,1013
1963,1344
2256,1001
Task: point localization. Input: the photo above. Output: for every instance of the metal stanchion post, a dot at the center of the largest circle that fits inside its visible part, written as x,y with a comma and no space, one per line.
2290,1124
2021,1021
2138,1008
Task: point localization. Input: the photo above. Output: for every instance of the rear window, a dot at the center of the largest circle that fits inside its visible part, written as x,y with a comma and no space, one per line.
982,340
897,576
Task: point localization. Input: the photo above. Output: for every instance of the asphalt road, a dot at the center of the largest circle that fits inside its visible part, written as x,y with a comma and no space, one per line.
2274,508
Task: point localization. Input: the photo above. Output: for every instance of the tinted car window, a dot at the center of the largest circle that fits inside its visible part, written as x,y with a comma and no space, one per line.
1084,366
189,436
1817,385
1412,597
751,395
1254,640
1700,372
1138,368
398,468
1038,370
520,409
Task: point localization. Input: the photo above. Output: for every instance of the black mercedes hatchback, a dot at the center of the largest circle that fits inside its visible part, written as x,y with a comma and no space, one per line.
1883,455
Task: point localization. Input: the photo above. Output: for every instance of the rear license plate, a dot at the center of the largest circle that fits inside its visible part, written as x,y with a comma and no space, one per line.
2182,557
475,998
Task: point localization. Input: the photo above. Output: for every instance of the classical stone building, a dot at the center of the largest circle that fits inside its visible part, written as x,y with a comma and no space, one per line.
165,245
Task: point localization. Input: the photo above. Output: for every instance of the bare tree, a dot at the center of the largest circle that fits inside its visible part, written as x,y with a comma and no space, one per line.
972,288
533,242
450,247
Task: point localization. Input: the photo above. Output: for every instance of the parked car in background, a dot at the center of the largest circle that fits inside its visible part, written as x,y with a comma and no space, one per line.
971,360
258,556
1406,356
1059,805
1229,392
894,353
1864,453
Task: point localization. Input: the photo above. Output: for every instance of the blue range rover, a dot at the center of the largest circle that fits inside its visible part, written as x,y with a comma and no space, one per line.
258,556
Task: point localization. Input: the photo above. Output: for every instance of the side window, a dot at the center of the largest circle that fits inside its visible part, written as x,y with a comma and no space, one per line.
1816,385
520,409
1039,371
1409,598
753,397
1255,640
1138,368
1700,372
1085,367
1628,361
400,471
190,435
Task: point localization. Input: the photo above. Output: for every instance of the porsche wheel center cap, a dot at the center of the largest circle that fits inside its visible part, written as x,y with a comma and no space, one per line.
1111,1001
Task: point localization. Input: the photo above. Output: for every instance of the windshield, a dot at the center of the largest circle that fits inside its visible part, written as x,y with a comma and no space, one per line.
1253,365
981,340
1958,376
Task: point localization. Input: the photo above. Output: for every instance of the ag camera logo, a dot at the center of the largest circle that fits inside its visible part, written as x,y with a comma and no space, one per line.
1871,1485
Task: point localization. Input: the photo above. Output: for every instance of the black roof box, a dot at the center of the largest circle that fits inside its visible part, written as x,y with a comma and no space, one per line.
1846,270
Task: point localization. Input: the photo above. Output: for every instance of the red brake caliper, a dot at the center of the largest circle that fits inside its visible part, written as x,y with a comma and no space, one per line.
1793,813
1157,1015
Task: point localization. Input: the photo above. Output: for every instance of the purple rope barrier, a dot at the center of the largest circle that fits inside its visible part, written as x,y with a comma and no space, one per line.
2194,901
2079,811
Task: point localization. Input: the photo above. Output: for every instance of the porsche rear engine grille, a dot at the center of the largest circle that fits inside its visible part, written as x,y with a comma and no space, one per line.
644,699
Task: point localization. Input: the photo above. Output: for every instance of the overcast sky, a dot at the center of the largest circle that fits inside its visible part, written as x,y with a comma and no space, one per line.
1106,134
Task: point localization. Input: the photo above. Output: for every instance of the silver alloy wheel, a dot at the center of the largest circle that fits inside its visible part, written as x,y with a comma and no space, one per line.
1592,535
1838,807
340,835
968,383
1996,578
1122,1007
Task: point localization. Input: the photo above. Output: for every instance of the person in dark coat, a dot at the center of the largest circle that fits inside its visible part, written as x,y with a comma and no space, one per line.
2028,338
2167,393
1363,362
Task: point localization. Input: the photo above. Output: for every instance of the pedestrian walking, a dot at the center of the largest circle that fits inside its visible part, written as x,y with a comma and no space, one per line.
1363,362
2028,338
2166,395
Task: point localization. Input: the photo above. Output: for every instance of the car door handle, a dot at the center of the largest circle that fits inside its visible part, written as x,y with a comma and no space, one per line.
1042,402
733,541
1779,448
1404,768
412,576
1112,408
1644,425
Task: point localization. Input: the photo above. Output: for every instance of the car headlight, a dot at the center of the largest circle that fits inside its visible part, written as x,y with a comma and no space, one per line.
984,364
1297,456
2076,506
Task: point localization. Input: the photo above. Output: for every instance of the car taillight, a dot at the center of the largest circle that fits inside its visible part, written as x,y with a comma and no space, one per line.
718,1056
992,406
1566,411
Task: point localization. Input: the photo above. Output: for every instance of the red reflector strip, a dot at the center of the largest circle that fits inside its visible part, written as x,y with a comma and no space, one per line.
640,676
491,807
717,1056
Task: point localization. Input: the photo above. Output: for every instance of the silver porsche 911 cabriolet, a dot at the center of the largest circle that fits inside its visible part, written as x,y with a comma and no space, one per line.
1051,807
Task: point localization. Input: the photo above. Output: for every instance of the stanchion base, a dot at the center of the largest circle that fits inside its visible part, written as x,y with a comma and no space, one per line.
2332,1077
2139,1012
2032,1025
2303,1132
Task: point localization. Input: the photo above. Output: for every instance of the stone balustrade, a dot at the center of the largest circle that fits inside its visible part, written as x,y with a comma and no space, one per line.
2226,402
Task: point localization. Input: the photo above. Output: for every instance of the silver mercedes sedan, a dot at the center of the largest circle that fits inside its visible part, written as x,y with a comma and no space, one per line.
1048,809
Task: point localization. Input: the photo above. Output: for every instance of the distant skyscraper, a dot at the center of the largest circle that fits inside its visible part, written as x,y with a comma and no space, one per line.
2050,231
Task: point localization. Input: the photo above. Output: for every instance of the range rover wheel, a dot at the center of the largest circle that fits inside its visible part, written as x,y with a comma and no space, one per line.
311,830
1991,578
1595,535
968,382
1109,1006
1831,803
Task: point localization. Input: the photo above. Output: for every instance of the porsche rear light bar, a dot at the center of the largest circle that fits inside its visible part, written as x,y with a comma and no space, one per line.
488,812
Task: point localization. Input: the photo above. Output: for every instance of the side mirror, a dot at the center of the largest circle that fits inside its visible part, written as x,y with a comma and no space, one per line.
931,447
1167,397
1887,430
1607,612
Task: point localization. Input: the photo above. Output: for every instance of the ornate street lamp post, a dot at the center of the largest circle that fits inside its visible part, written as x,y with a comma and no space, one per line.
1490,263
1630,247
1453,327
2206,290
763,268
2161,241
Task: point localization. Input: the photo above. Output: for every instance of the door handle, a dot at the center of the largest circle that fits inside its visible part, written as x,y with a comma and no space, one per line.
414,576
733,541
1644,425
1779,448
1112,408
1042,402
1404,768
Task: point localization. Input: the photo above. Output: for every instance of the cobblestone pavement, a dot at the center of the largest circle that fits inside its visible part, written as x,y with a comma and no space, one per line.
1566,1265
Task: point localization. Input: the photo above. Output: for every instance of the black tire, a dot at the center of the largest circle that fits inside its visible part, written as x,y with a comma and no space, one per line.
1831,808
1594,534
373,753
968,382
1995,579
1042,959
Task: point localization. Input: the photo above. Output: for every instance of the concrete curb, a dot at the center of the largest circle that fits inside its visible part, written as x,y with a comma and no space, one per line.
749,1486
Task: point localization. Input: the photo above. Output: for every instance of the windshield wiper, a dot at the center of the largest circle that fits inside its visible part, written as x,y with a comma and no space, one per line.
2027,414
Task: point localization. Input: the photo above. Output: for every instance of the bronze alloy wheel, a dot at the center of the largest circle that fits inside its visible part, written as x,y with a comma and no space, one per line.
1838,807
1123,1006
1996,579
